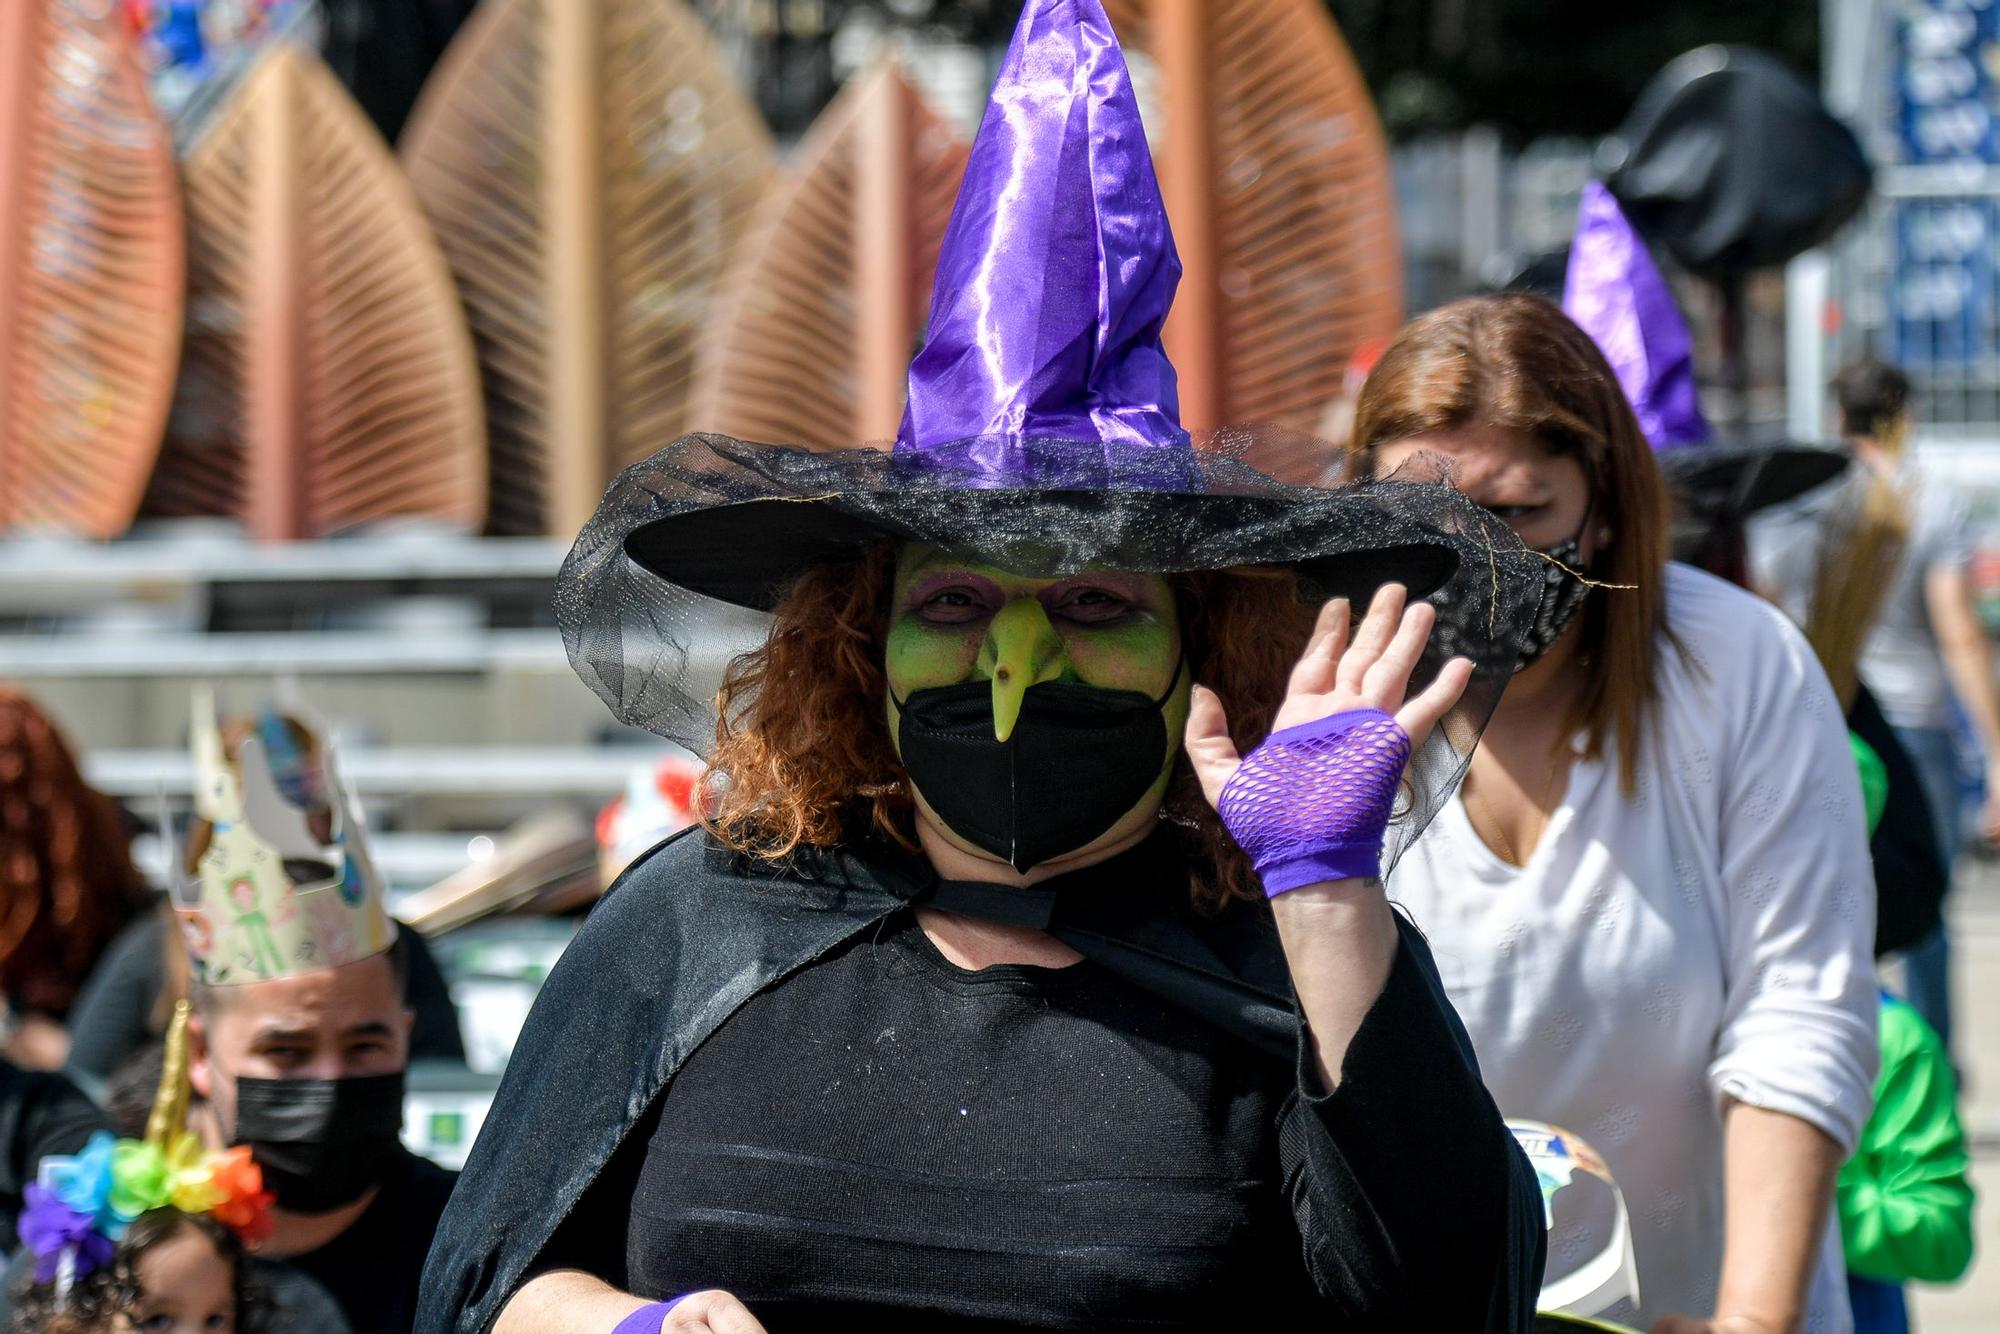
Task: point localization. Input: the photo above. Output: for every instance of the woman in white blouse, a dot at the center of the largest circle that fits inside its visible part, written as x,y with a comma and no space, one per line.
1651,901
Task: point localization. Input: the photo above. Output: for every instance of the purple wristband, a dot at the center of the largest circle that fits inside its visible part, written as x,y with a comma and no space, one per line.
1313,802
647,1319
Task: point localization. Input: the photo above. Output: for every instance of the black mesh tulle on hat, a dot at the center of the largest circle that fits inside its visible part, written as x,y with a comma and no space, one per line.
689,547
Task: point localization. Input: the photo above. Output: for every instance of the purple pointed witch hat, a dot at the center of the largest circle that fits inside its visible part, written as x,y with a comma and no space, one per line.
1616,293
1042,432
1058,267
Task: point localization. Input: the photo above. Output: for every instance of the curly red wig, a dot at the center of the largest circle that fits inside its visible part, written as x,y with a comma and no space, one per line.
803,747
67,881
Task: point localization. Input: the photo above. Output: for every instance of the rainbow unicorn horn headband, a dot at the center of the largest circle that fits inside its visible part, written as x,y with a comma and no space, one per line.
268,898
80,1205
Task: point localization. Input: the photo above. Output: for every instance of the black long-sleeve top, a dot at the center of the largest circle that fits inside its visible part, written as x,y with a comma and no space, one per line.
877,1135
40,1114
892,1139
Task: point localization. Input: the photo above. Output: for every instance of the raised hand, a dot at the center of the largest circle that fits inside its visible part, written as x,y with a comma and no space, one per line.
1311,803
1334,676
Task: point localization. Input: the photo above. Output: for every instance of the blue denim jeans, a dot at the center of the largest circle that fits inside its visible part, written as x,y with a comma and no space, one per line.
1934,752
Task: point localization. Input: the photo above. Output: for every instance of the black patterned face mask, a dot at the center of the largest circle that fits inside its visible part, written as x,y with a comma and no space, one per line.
1562,593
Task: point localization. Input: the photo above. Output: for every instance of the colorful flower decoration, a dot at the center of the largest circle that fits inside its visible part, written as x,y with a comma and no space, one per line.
83,1204
83,1181
49,1228
242,1203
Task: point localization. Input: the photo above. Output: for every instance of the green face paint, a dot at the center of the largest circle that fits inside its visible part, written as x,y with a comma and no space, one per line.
1119,631
955,621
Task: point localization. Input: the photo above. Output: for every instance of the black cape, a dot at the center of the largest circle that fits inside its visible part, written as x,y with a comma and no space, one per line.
692,931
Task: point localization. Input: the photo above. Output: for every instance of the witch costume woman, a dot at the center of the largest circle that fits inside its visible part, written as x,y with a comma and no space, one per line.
965,1009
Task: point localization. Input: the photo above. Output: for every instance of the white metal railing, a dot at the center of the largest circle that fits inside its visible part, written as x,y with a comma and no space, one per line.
555,772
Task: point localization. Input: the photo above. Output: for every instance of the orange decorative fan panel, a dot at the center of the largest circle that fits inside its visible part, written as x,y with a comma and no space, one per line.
590,167
822,312
91,280
330,380
1277,181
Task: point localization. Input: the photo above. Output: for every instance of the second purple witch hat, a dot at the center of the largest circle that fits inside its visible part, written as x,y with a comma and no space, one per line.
1616,293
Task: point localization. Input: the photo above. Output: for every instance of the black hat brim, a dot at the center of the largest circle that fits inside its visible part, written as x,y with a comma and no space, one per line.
751,552
739,522
1743,479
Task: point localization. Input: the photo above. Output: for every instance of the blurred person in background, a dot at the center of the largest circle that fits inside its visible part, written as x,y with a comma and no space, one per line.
40,1114
67,883
1877,572
300,1037
129,995
1650,899
661,798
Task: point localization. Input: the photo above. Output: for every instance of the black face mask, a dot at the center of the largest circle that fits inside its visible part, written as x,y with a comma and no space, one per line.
1562,594
1079,759
321,1143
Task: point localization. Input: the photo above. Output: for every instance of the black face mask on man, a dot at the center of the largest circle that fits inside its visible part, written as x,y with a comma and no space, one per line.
321,1143
1079,759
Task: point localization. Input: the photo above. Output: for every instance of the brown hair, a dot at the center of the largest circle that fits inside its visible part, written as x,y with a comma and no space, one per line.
105,1300
67,880
1873,397
803,741
1860,550
1516,361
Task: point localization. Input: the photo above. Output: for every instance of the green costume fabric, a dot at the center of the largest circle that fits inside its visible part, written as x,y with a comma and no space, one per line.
1904,1199
1874,780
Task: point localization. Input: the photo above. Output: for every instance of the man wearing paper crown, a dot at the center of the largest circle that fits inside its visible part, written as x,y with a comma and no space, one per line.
300,1035
978,1000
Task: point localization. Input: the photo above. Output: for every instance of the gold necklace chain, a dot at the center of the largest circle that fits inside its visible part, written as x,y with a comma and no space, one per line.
1499,829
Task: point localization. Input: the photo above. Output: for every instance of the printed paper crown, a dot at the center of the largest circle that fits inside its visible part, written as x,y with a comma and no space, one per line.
268,900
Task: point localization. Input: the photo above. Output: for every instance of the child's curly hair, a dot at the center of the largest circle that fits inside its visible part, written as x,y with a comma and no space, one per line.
802,741
95,1303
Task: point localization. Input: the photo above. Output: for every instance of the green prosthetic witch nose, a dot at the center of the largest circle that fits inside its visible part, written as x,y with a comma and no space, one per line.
1021,649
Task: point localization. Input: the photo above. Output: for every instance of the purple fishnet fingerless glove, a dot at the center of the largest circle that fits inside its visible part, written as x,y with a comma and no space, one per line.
1313,802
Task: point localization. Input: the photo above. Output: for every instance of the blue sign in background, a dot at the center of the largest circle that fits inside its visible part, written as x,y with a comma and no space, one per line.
1947,97
1943,287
